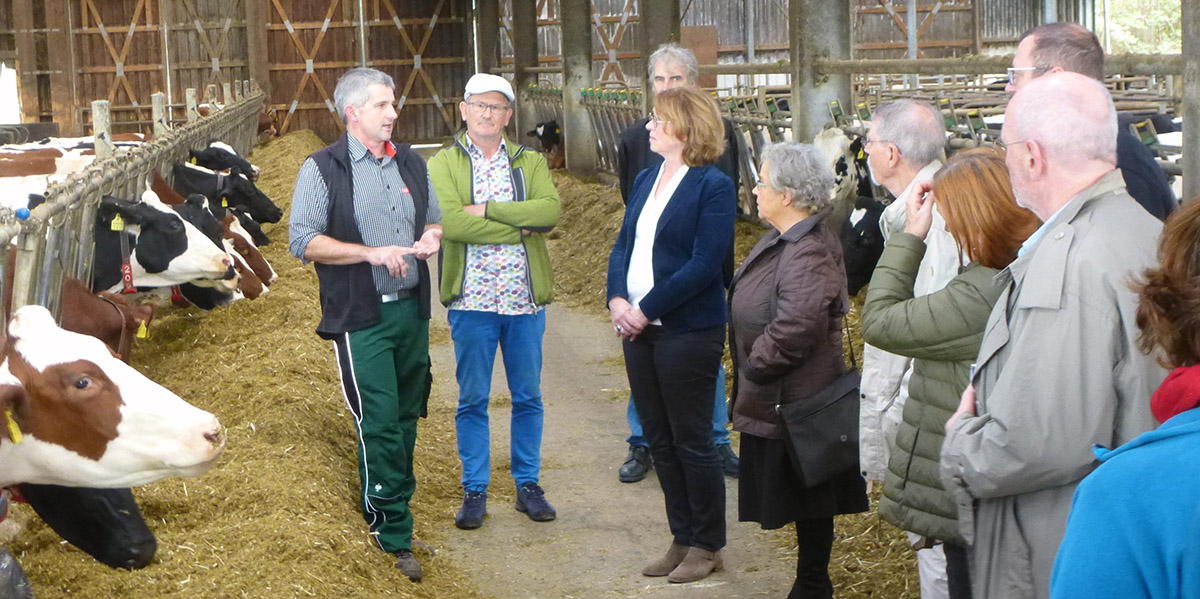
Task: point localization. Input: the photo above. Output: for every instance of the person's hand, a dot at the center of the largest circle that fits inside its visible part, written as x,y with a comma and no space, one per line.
966,405
626,323
918,209
391,256
476,210
428,244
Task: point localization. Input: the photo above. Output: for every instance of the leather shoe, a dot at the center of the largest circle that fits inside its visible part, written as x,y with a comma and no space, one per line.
636,465
531,501
408,565
667,563
697,565
730,464
474,508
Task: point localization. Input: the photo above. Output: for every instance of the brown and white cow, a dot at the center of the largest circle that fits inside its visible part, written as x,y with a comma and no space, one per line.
75,415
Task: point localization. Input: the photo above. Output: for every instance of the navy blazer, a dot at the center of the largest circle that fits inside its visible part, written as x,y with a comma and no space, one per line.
690,242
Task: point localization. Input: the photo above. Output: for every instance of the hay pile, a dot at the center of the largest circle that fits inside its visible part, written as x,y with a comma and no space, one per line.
870,557
277,516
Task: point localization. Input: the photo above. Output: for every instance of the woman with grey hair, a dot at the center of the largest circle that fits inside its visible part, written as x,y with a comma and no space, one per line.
786,305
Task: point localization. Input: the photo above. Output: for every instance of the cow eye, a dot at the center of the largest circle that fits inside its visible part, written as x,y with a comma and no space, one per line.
83,382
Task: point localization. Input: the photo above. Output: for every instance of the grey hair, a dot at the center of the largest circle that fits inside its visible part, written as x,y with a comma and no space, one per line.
1045,111
675,53
352,87
803,171
915,127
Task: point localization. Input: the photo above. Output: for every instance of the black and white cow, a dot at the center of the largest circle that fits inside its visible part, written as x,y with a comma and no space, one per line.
549,133
220,156
105,523
853,205
233,189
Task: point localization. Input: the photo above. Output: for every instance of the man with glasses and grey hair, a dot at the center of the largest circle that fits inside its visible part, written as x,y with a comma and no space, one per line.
1057,47
905,145
364,212
672,66
498,202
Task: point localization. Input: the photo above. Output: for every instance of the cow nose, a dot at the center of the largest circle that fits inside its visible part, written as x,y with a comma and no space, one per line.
216,437
230,271
227,261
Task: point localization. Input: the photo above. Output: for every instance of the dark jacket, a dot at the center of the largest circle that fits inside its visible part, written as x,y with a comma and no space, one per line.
693,235
1144,179
349,301
942,331
785,336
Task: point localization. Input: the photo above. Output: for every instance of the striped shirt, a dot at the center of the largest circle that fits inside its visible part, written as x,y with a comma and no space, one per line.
383,211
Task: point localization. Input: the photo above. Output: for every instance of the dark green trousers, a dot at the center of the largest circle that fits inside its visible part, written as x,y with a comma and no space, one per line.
386,380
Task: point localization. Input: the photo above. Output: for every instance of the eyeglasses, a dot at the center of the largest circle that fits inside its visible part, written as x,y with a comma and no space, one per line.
868,142
1003,146
655,120
1012,71
488,108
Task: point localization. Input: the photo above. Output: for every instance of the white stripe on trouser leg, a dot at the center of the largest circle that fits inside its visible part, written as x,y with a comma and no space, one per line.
358,416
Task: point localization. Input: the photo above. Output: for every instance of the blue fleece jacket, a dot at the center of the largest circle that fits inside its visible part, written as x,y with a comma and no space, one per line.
1134,528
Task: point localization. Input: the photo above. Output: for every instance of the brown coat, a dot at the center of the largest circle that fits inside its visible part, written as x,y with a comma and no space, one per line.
786,302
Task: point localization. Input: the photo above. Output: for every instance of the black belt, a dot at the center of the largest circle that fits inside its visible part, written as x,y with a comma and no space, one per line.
398,295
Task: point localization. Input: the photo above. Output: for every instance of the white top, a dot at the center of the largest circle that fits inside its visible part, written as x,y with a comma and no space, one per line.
640,279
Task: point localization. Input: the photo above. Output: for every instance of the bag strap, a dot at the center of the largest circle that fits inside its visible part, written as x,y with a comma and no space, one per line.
849,342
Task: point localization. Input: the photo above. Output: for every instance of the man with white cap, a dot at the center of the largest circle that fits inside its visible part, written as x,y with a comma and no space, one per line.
498,202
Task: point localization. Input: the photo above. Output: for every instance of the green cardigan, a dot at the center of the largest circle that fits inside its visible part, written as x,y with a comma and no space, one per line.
942,332
536,209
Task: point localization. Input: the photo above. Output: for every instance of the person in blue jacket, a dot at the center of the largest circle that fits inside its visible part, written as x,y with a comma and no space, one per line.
1134,528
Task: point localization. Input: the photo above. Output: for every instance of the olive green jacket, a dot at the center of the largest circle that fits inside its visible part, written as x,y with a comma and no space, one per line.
526,220
942,332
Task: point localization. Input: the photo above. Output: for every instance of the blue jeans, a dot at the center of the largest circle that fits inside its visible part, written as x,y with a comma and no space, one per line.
720,417
476,336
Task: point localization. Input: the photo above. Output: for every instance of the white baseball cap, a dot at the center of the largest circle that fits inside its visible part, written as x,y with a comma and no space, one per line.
482,83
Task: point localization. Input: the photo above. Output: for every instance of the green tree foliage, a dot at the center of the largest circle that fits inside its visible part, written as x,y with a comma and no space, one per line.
1145,26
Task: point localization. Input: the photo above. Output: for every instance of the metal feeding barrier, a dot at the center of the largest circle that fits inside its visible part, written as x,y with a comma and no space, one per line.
56,239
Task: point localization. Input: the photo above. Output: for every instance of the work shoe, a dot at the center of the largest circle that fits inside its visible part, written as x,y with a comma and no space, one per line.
636,465
667,563
531,500
698,564
474,508
729,460
408,565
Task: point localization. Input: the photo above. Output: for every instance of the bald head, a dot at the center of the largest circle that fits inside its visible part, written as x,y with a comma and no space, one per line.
1070,115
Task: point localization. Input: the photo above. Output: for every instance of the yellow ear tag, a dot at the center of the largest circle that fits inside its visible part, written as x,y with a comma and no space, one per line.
224,203
143,332
193,160
861,154
13,430
118,223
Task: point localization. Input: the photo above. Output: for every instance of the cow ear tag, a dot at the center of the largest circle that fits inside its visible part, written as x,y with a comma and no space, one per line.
193,160
143,332
118,223
861,154
224,203
14,431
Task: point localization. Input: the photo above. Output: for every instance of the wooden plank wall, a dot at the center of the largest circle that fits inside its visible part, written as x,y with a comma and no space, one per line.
946,28
118,57
207,45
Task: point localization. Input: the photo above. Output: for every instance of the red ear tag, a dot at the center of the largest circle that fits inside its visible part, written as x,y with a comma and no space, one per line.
403,190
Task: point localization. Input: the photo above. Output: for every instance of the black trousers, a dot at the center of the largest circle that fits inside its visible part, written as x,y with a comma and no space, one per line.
958,571
814,538
673,377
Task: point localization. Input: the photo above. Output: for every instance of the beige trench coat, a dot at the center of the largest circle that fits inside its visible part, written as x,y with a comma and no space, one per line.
1058,371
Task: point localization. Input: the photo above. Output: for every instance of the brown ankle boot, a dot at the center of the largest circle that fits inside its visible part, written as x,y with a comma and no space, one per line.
696,565
667,563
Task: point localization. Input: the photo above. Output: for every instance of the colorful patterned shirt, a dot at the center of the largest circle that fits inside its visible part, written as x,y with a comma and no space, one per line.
496,277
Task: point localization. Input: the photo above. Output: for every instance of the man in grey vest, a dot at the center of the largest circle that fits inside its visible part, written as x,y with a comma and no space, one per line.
363,210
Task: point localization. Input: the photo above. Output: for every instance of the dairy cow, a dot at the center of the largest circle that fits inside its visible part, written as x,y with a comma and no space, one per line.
105,523
233,189
77,416
220,156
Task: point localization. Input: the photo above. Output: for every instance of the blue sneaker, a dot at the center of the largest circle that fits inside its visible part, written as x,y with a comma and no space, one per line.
531,500
474,508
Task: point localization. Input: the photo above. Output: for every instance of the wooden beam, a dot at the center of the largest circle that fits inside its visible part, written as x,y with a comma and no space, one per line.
256,43
60,47
27,58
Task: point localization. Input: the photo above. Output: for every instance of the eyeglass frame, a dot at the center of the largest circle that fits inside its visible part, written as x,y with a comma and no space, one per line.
656,121
485,108
1003,146
1012,71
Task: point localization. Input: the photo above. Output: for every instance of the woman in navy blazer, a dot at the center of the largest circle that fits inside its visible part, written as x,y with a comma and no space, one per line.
667,300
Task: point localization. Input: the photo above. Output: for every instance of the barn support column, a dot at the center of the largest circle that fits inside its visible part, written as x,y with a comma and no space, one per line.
256,45
658,23
525,56
818,29
1050,11
487,20
1191,99
581,149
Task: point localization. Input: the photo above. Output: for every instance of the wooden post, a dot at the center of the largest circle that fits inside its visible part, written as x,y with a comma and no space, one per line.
27,63
210,96
658,23
525,55
817,29
227,93
159,108
101,129
487,24
1191,99
192,113
581,148
257,57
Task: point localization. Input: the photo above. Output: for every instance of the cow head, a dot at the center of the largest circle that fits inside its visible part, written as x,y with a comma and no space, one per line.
87,419
549,133
105,523
219,156
252,227
240,191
